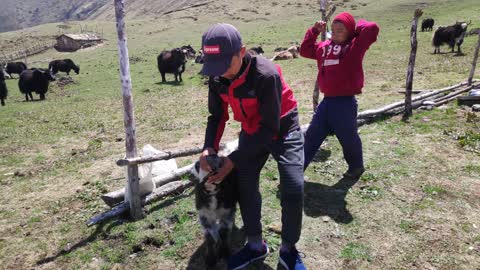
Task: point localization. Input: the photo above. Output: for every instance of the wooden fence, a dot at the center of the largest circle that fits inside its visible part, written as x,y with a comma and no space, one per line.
21,54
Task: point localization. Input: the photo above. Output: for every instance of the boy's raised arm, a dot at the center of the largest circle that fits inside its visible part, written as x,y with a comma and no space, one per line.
366,33
309,44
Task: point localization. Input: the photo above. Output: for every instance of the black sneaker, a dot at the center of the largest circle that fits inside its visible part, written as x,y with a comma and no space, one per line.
246,256
354,173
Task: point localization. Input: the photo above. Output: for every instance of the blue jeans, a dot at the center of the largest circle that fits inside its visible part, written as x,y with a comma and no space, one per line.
337,115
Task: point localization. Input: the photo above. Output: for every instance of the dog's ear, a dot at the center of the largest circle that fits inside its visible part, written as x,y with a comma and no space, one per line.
198,173
196,170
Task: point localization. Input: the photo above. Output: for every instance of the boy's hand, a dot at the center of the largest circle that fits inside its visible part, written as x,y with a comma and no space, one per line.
203,159
321,26
224,171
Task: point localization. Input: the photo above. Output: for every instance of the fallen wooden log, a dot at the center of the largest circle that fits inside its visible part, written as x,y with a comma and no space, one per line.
117,196
374,112
453,94
157,194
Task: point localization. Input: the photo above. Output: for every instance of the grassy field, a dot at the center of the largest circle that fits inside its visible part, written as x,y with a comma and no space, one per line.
416,207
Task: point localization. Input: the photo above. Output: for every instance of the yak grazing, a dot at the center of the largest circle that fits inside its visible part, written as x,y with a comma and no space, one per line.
64,65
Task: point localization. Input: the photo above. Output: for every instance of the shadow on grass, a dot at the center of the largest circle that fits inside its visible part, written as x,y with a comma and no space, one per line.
98,232
322,155
238,237
173,83
323,200
171,200
34,100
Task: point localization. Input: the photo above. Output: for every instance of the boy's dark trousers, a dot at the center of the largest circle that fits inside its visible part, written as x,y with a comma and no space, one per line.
288,152
336,115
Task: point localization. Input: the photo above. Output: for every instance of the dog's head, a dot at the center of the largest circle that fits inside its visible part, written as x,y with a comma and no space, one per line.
215,162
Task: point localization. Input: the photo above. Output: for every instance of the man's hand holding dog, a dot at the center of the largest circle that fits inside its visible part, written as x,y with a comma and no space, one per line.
224,171
203,159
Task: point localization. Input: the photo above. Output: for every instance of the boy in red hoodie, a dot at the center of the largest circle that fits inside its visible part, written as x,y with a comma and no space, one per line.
340,78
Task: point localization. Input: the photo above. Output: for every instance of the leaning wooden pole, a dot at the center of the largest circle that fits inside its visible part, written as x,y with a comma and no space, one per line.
323,10
411,65
474,63
323,37
129,119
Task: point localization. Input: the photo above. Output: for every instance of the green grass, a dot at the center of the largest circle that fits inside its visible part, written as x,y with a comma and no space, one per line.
434,190
355,251
406,226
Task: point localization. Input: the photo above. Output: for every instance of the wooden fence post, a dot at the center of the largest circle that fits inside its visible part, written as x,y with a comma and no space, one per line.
323,10
474,63
324,5
411,65
129,120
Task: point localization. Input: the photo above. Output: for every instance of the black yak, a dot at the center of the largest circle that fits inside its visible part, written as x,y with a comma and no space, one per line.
64,65
15,67
172,61
3,88
35,80
188,51
427,24
451,35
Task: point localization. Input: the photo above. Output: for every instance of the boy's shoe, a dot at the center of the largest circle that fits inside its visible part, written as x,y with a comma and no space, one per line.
354,173
291,260
246,256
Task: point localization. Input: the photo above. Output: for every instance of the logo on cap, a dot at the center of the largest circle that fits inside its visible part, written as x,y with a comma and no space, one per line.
214,49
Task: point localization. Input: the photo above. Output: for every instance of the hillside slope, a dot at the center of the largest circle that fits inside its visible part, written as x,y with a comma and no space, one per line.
21,14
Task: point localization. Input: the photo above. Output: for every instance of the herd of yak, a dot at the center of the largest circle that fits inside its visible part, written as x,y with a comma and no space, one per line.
173,61
34,79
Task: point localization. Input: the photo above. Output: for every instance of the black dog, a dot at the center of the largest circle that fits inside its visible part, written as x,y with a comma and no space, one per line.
216,205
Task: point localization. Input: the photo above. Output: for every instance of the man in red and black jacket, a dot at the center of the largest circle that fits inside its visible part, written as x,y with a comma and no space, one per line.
264,104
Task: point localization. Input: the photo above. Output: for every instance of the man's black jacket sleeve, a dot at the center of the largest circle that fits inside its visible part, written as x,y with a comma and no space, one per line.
216,121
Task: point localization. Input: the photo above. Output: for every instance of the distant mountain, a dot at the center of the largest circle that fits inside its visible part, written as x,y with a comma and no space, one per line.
16,14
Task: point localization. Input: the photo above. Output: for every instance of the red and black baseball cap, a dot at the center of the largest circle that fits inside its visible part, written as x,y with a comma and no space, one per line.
219,44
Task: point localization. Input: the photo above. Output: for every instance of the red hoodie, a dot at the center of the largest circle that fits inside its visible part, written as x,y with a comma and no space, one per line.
340,71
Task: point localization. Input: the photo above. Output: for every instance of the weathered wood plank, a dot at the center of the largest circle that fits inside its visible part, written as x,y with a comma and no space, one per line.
129,118
161,156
